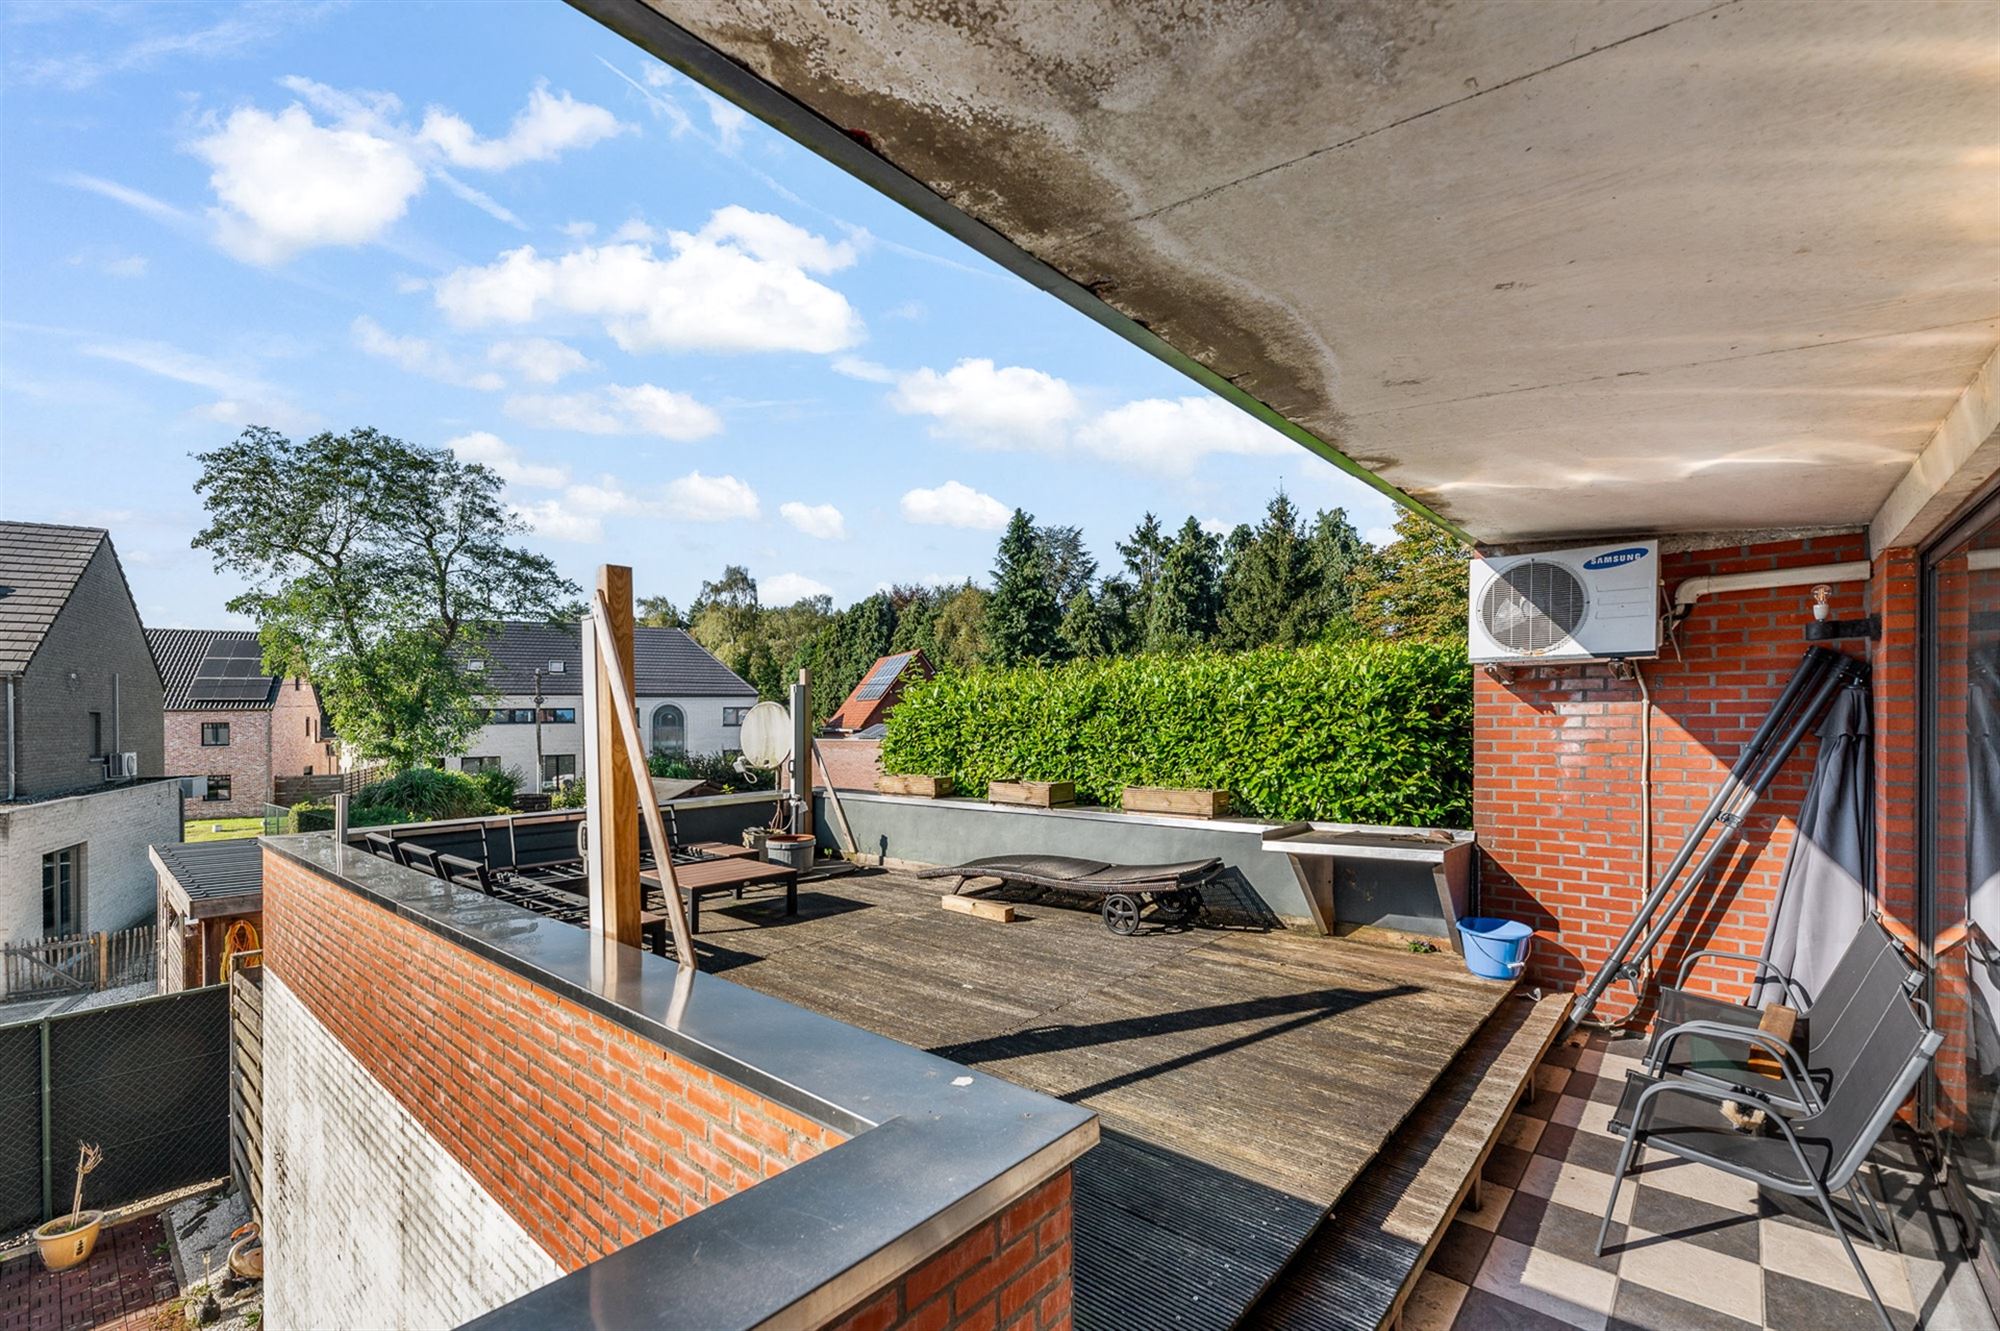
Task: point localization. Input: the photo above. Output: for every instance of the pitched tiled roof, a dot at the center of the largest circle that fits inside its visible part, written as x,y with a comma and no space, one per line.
669,663
39,567
880,689
180,652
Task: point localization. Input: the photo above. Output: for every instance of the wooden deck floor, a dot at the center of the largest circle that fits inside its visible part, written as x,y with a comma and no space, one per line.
1244,1079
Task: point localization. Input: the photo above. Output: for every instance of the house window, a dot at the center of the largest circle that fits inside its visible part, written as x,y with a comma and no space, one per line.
733,716
97,734
556,769
214,734
62,892
558,716
218,789
479,764
669,730
511,716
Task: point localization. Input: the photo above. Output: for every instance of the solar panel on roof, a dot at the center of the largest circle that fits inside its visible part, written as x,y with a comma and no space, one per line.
882,676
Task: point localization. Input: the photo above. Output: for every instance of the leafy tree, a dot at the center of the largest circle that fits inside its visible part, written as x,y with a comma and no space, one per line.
1268,593
375,567
960,629
843,649
1337,551
1090,627
1022,617
1071,567
657,612
1414,587
786,631
1144,555
1186,598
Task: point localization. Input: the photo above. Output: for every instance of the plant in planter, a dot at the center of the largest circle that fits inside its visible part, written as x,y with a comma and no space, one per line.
67,1240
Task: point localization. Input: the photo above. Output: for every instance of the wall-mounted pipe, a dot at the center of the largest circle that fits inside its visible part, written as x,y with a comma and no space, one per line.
10,737
1693,589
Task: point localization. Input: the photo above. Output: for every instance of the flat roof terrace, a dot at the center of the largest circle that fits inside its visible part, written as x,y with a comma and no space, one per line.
1243,1078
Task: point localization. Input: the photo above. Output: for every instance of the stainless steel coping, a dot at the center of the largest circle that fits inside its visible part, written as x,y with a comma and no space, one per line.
934,1147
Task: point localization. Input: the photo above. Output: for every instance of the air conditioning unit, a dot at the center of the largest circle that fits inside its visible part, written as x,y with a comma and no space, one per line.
120,766
1585,604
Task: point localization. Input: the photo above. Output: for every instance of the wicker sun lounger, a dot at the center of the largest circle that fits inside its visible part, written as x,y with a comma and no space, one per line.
1172,890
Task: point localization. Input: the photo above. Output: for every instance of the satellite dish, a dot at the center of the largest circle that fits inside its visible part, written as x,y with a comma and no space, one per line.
767,734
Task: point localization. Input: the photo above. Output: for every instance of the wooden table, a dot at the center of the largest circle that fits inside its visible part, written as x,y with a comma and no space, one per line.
707,878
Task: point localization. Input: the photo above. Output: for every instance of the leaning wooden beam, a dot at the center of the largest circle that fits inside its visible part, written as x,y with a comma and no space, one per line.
637,779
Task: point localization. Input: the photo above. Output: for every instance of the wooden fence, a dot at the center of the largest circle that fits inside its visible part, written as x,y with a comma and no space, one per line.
77,964
246,1085
291,790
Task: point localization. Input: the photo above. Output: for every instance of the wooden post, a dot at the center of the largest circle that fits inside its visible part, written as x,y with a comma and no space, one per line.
612,788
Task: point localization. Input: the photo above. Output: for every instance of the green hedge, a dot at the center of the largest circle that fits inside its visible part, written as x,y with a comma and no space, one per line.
1362,732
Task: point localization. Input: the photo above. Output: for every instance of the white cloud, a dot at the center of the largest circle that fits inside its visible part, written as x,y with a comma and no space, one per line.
728,119
790,588
244,398
989,406
821,520
698,498
617,409
110,262
955,505
741,283
137,200
492,451
246,27
284,182
539,360
553,519
1173,434
578,230
422,357
854,367
548,126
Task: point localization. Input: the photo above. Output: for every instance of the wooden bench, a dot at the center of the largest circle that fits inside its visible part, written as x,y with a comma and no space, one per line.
1361,1264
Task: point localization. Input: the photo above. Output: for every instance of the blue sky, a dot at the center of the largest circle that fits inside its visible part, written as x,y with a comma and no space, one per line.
685,341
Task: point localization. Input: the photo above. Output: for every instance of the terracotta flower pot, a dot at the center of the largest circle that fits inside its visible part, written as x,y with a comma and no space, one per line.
63,1247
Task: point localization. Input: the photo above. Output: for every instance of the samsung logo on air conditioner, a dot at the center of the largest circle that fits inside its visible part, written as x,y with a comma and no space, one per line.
1631,554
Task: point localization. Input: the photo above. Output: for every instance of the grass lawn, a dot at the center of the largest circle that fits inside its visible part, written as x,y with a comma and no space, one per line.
204,829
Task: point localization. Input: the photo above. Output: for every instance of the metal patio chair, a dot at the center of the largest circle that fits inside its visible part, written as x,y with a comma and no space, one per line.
1716,1043
1811,1155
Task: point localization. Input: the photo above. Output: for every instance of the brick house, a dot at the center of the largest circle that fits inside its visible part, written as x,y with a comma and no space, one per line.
232,730
82,735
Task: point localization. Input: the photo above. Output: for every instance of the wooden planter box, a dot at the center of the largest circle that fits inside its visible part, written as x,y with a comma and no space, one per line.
1038,794
1169,799
928,787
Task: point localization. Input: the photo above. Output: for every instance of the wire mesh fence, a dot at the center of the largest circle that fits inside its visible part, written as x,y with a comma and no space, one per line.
147,1081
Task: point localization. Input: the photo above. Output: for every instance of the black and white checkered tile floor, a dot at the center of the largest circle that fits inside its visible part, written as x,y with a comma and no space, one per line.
1690,1248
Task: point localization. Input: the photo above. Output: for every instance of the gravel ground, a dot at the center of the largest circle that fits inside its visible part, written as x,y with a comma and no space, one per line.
198,1231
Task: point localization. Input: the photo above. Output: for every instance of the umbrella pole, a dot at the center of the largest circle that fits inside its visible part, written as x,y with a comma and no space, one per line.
1813,669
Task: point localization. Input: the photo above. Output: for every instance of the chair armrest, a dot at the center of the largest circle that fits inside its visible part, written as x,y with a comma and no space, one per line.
1760,969
1718,1096
1783,1054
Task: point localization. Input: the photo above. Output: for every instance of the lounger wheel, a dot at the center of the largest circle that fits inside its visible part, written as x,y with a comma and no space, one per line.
1177,907
1121,913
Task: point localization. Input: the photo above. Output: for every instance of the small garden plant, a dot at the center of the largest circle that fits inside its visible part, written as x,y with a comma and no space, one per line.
88,1157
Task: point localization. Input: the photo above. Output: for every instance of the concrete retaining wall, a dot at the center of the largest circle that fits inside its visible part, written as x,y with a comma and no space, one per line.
1257,882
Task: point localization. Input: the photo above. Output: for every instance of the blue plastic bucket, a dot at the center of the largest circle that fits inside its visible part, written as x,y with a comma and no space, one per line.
1495,949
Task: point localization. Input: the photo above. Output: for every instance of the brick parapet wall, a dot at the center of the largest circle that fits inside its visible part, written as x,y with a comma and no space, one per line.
587,1134
1012,1273
1557,752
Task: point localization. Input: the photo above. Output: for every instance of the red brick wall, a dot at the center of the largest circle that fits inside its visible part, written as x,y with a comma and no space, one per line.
1011,1274
1556,767
246,760
851,764
587,1134
590,1136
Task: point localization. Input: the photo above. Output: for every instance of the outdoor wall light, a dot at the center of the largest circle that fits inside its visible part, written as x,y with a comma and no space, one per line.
1822,597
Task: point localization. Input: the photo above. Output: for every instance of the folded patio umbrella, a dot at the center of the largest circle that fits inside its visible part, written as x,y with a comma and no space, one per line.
1982,843
1827,889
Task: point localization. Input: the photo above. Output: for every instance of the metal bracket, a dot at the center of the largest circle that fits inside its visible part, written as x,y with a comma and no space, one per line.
1827,630
1500,674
